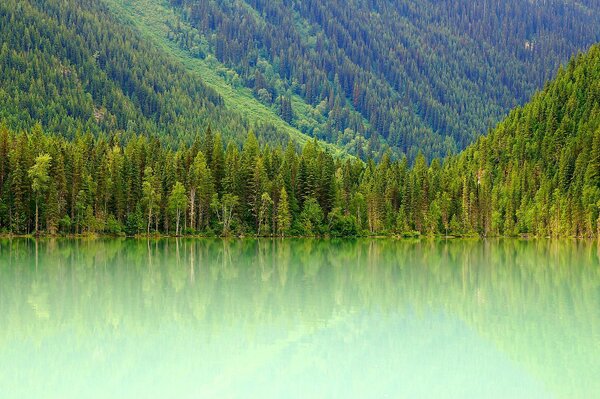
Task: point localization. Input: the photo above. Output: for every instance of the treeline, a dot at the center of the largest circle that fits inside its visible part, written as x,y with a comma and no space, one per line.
538,173
89,185
429,76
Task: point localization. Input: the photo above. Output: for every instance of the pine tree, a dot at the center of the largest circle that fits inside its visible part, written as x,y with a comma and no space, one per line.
284,217
258,186
218,164
202,181
208,145
52,210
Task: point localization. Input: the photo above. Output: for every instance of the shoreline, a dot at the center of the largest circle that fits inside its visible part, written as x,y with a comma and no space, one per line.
323,237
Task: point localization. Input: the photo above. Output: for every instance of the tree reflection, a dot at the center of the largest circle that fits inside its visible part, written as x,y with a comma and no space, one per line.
536,301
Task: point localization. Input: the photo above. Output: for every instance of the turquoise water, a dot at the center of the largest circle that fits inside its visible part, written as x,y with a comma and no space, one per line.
299,319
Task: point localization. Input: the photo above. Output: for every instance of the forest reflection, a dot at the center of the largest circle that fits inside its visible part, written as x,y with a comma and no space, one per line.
538,302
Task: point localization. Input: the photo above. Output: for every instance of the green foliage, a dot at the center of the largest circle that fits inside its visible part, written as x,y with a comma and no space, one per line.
38,174
311,218
224,208
284,217
412,76
341,225
360,76
536,175
75,67
177,204
151,195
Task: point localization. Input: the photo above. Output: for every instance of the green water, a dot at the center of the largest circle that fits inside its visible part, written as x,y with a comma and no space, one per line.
299,319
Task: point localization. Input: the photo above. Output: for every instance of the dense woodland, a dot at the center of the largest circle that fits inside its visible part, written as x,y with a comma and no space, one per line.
427,76
538,173
373,76
72,67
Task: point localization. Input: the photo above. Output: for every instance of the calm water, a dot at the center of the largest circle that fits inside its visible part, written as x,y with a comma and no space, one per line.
305,318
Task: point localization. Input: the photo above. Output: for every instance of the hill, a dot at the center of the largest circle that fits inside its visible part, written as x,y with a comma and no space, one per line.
538,172
73,67
362,76
425,76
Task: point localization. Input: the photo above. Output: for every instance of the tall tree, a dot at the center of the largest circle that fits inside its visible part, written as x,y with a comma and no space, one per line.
177,204
284,217
151,195
38,174
224,209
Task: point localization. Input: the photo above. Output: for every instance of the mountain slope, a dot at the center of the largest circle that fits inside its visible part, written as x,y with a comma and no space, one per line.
362,76
429,76
73,67
539,171
151,20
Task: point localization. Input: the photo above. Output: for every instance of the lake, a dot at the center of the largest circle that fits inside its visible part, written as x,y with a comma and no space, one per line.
378,318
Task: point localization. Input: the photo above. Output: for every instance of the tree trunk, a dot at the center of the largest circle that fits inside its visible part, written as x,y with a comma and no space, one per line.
149,220
36,217
192,209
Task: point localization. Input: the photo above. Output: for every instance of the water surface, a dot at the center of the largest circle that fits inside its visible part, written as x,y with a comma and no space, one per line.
299,318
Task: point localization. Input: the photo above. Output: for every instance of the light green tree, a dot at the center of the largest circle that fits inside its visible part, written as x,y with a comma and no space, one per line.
38,174
177,204
150,195
264,214
201,190
224,208
311,217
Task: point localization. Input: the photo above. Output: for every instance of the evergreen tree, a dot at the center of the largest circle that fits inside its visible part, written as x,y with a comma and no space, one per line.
265,215
284,217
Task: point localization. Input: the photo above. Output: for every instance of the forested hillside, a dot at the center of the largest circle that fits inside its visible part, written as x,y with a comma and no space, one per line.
364,76
73,67
426,76
538,173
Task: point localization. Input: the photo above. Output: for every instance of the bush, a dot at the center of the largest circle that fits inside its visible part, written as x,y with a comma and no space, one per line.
341,225
64,224
113,226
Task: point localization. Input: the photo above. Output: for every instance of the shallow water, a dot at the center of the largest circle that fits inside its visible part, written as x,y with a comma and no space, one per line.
299,318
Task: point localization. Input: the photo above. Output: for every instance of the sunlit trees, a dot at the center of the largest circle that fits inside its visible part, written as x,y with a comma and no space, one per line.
284,217
509,183
311,218
224,208
38,174
177,204
201,191
265,215
151,196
